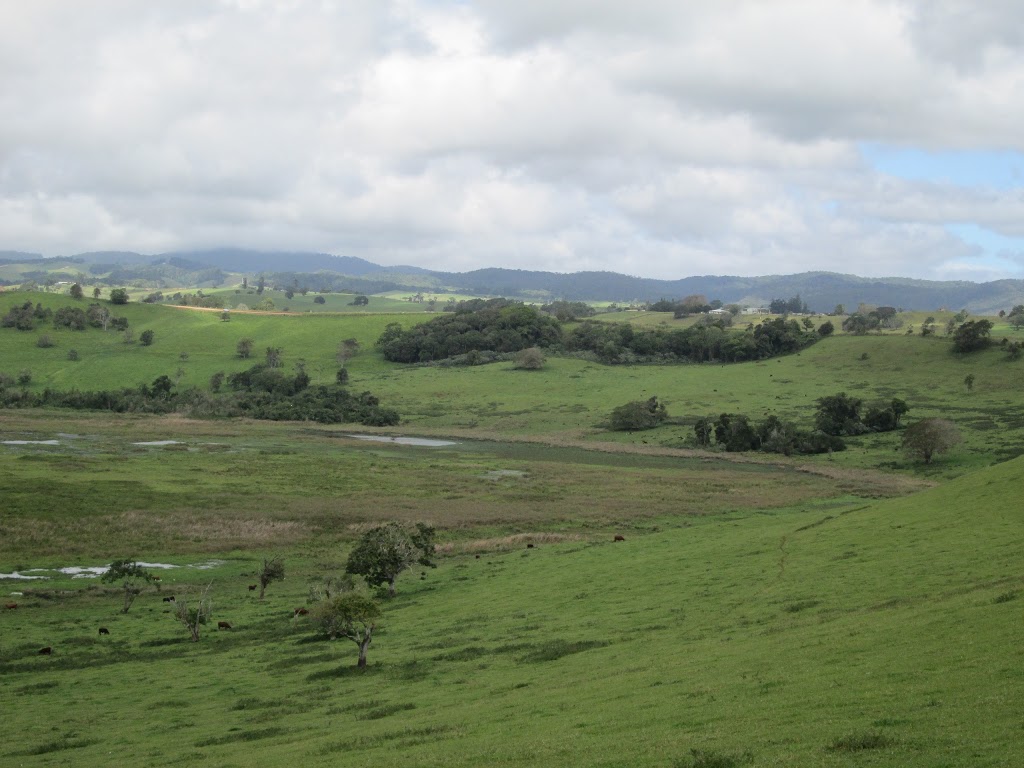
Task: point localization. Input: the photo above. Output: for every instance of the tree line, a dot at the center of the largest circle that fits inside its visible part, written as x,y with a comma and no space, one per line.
502,326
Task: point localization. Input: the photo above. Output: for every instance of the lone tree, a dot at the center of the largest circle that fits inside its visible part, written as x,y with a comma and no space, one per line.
119,296
531,359
76,291
272,570
969,381
194,616
146,338
132,575
704,429
382,553
244,348
639,414
972,336
929,437
350,614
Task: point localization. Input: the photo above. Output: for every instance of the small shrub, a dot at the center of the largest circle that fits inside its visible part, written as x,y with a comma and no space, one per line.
700,758
146,338
858,742
73,355
25,376
44,342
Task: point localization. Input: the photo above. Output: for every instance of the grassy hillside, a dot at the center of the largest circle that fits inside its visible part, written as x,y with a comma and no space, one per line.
568,400
822,630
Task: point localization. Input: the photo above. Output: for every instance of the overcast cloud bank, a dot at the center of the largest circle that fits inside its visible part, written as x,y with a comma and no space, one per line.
660,139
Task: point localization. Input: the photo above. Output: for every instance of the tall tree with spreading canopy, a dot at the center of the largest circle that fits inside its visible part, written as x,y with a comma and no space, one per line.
272,570
352,615
382,553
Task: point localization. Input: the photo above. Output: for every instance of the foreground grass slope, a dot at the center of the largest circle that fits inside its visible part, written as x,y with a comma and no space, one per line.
823,633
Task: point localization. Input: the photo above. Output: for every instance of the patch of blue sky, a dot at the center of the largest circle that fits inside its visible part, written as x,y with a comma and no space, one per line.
966,168
993,251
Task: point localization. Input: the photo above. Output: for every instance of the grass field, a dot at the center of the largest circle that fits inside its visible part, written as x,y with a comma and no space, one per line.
843,610
821,630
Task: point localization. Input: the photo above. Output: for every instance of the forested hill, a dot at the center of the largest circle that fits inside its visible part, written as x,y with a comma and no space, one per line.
822,291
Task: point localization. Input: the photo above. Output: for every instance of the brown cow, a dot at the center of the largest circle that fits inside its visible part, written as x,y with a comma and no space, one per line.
11,606
46,651
252,587
223,625
619,537
300,612
104,631
529,546
169,599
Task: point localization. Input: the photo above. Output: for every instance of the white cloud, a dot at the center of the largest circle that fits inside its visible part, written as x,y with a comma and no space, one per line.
656,138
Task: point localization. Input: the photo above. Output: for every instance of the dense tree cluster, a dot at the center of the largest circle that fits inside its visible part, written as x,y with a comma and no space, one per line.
622,343
569,311
258,393
497,325
637,415
795,305
860,323
972,336
840,414
24,317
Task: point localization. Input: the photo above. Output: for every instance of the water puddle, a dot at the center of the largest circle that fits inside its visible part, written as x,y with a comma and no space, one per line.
158,443
419,441
16,575
29,442
93,571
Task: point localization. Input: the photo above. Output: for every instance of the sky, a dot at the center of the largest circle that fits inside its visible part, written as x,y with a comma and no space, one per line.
654,138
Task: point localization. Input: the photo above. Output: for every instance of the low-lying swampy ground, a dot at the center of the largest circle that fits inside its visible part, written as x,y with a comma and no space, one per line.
757,613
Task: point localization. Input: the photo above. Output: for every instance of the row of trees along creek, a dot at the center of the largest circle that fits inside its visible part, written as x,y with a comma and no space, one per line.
502,326
836,416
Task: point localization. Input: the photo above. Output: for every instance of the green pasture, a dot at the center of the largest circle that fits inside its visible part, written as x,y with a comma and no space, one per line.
333,302
569,399
754,615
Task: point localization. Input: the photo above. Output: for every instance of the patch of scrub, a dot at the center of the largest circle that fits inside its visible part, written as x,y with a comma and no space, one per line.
419,441
497,474
30,442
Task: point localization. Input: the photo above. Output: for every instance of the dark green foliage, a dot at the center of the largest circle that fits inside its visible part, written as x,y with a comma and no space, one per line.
119,296
497,325
785,306
700,758
839,415
341,377
22,318
146,338
76,291
360,301
272,570
972,336
319,300
44,341
735,433
858,742
244,348
351,615
704,429
569,311
639,414
705,342
70,317
826,329
24,376
382,553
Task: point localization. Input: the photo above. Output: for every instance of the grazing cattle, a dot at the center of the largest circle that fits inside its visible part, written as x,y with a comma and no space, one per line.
104,631
169,599
478,557
529,546
156,578
223,625
11,606
619,537
300,612
46,651
252,587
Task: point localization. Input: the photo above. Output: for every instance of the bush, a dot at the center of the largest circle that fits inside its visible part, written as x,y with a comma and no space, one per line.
319,300
119,296
25,376
44,342
146,338
73,355
531,359
637,415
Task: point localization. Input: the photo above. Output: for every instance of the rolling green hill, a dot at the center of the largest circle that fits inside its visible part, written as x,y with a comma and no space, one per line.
825,633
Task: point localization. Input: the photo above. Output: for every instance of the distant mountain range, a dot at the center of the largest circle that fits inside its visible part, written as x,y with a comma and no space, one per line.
822,291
